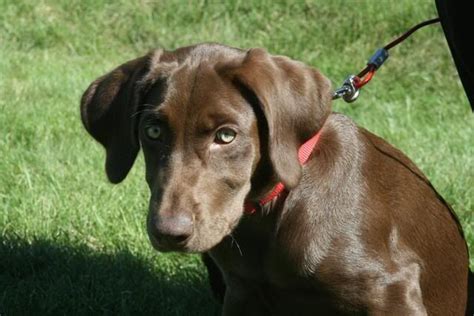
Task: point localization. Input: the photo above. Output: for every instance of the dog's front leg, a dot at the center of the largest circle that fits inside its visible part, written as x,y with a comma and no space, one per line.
240,302
398,293
216,280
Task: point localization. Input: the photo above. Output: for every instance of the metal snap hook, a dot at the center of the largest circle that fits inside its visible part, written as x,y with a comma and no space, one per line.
348,91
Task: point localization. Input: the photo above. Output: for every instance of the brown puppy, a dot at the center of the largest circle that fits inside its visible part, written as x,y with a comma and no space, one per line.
360,230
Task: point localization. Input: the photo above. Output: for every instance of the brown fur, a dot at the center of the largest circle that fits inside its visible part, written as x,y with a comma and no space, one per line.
361,231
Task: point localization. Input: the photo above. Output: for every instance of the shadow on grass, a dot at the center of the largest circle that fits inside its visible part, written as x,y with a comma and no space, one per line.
43,278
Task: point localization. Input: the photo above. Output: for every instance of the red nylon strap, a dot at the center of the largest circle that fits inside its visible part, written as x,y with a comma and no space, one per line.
303,155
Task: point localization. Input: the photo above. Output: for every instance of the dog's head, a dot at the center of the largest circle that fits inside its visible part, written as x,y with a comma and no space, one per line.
217,126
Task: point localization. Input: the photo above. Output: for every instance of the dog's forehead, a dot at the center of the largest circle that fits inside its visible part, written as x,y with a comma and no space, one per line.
197,95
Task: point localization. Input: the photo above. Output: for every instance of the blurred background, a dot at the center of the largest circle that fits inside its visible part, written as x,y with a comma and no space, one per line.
71,243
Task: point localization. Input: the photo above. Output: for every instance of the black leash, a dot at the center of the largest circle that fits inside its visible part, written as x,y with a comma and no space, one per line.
350,89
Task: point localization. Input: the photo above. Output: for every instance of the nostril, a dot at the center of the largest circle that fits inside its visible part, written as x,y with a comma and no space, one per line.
175,228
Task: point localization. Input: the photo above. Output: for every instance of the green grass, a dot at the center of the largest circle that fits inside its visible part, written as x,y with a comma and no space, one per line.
72,243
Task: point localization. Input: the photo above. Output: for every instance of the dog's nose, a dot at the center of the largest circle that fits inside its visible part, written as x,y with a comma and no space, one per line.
174,228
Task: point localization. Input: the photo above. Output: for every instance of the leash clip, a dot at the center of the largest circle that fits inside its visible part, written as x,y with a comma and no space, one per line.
349,91
350,88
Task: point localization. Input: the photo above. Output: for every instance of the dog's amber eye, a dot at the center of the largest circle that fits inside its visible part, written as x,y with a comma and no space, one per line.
225,136
153,132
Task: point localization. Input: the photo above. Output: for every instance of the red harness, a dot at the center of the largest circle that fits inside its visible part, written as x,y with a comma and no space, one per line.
303,155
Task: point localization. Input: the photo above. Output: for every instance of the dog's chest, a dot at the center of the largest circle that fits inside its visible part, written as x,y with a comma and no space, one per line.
251,253
255,254
275,270
267,275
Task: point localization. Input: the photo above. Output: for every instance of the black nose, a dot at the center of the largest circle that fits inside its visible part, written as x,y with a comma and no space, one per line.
174,228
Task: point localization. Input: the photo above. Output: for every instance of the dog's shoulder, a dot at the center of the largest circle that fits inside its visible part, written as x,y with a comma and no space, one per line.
367,144
383,147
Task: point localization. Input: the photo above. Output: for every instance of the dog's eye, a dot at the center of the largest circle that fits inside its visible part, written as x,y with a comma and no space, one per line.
153,132
225,136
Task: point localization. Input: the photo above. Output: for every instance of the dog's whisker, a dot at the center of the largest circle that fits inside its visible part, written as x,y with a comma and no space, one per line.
236,243
136,113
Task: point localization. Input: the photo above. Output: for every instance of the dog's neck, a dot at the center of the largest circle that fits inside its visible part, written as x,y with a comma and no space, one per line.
327,170
279,190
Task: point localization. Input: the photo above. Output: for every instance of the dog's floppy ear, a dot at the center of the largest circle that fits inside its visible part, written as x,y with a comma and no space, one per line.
108,109
295,100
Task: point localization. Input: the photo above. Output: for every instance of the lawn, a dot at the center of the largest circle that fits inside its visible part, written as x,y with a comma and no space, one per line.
71,243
